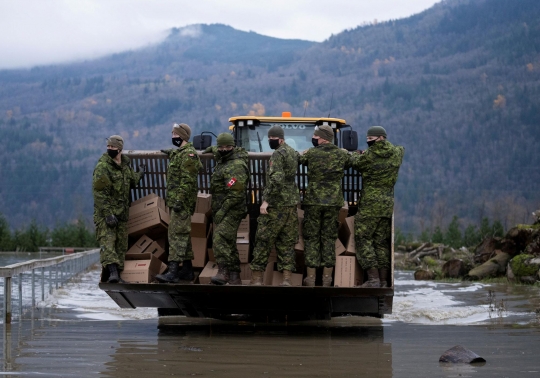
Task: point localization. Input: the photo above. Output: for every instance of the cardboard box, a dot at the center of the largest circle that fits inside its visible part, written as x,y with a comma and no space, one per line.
210,270
299,246
162,242
346,236
200,251
348,272
140,245
244,225
277,278
243,250
153,222
199,224
143,199
343,212
204,203
148,204
141,268
153,248
340,248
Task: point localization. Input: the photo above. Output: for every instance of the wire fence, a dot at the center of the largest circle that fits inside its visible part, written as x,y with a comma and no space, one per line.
33,281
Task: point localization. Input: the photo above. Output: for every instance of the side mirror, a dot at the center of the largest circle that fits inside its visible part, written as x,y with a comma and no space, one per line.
201,142
349,138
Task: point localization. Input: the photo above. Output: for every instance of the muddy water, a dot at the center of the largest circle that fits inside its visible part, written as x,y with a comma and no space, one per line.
65,338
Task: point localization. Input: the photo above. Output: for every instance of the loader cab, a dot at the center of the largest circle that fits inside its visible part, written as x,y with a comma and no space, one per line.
251,132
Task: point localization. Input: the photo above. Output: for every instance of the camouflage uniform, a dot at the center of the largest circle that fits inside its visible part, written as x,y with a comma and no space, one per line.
111,186
280,226
322,201
182,173
228,188
379,167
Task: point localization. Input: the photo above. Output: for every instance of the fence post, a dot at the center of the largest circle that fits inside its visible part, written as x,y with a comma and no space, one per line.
43,284
20,296
7,300
33,288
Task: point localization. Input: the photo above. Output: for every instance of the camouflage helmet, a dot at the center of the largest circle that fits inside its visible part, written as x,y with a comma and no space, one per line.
376,131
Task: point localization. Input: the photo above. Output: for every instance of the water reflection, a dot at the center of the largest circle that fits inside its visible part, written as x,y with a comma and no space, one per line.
247,350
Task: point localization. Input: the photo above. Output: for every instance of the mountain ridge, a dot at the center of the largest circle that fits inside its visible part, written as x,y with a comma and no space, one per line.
463,100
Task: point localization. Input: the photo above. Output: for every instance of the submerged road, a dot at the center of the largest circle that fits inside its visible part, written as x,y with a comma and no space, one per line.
80,332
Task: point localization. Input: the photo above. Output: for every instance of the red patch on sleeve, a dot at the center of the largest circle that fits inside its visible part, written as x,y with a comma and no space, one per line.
231,182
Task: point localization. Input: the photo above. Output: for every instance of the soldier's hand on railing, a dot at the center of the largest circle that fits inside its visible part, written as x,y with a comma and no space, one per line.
264,208
142,169
166,152
111,221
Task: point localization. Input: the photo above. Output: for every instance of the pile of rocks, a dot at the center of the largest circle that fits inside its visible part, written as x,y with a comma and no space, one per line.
516,256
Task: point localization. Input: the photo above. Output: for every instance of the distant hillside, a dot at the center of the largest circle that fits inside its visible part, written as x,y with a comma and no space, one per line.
457,85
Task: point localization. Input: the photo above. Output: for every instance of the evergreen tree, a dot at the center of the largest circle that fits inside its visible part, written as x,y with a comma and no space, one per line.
453,234
498,229
471,236
437,236
5,235
485,228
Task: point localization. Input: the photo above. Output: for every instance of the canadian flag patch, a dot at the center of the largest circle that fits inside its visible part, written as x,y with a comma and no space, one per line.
231,182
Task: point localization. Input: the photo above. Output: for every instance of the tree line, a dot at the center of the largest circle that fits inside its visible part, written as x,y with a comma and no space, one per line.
453,235
33,236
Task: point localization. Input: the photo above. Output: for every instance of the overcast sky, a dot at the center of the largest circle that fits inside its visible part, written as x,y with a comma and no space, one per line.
35,32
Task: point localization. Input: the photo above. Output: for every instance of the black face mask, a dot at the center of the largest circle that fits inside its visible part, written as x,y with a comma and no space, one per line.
112,153
177,141
224,152
315,142
371,143
274,143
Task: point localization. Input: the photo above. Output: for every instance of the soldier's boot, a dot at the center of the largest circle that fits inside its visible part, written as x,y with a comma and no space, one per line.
114,275
256,278
234,278
172,274
186,273
327,277
373,278
222,276
287,275
383,277
310,277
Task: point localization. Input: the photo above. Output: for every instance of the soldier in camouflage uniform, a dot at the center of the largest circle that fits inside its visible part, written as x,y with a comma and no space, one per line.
182,172
228,188
379,166
323,199
278,222
112,180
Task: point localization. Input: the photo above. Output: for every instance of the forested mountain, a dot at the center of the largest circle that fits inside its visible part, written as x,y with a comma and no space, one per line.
458,85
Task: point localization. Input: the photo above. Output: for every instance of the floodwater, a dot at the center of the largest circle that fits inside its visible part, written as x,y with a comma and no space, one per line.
80,332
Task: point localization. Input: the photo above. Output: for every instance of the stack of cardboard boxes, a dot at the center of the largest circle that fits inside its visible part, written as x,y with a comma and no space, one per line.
201,229
347,271
147,224
147,256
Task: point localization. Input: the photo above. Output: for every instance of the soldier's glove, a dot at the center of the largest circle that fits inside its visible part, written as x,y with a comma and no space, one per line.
142,169
166,152
208,150
111,221
177,208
